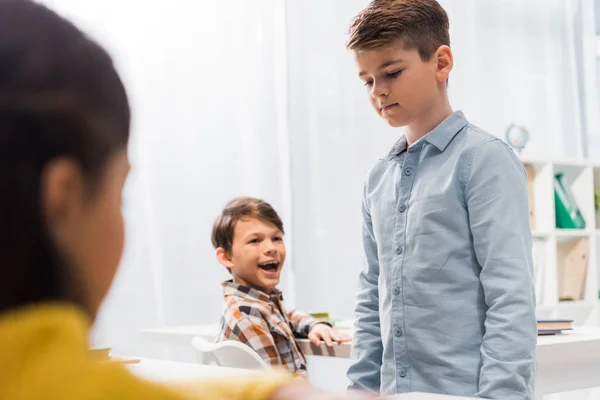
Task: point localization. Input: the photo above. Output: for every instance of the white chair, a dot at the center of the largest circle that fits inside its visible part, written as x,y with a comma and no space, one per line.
228,353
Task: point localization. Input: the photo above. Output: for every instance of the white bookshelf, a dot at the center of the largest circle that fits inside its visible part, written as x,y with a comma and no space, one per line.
549,242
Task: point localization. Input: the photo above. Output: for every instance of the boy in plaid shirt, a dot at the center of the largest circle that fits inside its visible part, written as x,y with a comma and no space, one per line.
248,237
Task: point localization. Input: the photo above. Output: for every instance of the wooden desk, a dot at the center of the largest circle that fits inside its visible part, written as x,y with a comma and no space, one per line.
566,362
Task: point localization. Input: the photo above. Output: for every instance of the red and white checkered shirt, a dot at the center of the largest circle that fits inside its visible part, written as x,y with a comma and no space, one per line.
259,320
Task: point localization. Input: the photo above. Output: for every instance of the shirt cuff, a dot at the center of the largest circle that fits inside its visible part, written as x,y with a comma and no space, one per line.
313,321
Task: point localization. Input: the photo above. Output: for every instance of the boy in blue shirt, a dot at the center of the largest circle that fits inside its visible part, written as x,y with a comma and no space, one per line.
446,302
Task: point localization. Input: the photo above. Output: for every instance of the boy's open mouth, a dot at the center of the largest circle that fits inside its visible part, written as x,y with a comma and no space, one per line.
270,266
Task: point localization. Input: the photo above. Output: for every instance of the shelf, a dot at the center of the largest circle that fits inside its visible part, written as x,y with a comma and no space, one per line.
554,268
569,163
566,235
566,162
573,163
543,234
568,304
578,311
576,304
533,161
573,232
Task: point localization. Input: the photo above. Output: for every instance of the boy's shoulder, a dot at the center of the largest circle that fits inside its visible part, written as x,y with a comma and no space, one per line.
468,142
476,142
238,308
247,318
474,138
241,316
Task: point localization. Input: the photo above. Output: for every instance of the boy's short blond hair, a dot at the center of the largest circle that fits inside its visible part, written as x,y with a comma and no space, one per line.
420,24
234,211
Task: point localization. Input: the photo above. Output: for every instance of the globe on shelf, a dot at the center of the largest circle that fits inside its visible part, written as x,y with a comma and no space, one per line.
517,137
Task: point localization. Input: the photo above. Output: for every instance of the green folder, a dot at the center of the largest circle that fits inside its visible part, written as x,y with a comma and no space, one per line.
322,316
568,215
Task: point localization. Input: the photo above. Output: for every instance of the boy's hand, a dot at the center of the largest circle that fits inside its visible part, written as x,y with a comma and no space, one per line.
327,334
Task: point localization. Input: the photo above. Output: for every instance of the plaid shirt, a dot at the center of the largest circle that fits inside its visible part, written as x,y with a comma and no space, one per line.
259,320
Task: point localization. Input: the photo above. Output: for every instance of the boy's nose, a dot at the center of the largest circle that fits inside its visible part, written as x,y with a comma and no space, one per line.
379,90
270,247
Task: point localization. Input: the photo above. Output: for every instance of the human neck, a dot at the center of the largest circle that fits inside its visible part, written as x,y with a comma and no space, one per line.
427,121
239,281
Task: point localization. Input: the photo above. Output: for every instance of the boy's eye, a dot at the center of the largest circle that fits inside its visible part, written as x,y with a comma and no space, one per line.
394,74
368,83
277,239
254,241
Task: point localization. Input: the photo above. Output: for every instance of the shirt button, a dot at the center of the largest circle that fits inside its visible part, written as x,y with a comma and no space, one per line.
402,208
407,171
398,250
402,374
398,332
396,291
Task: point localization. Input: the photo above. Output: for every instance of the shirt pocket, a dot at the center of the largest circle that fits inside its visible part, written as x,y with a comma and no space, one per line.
434,231
279,327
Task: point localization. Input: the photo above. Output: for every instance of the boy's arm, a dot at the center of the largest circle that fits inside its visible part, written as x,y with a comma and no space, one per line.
302,323
367,348
497,203
255,333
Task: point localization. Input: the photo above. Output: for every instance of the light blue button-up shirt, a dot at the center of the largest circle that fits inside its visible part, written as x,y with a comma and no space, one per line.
446,301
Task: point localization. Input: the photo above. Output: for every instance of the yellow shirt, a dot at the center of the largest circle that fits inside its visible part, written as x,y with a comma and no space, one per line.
44,355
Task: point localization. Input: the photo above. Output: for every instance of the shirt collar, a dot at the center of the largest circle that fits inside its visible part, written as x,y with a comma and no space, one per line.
233,289
439,137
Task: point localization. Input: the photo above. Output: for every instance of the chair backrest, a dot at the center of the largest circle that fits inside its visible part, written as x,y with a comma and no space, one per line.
229,353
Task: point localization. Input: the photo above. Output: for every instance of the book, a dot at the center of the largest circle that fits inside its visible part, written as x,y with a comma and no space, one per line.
572,260
568,215
539,261
100,354
103,355
530,175
123,360
554,324
322,316
548,332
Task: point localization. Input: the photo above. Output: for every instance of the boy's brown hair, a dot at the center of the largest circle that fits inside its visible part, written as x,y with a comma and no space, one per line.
236,210
420,24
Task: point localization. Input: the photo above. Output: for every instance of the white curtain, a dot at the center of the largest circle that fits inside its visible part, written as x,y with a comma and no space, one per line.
587,25
261,98
207,82
514,62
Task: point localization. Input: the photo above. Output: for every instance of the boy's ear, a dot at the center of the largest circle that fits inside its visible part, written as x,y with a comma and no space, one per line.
223,258
444,61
